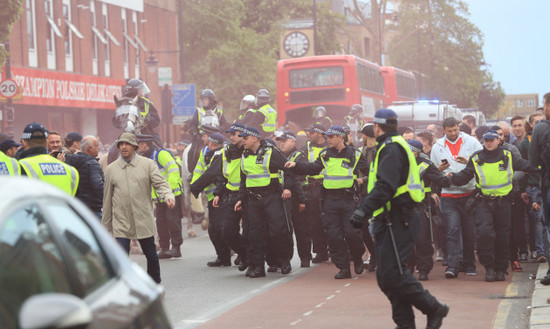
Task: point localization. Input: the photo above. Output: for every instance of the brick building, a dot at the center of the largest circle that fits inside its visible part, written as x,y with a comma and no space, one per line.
71,56
515,104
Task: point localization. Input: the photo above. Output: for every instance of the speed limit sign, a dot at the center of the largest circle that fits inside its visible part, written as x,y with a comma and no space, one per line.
8,88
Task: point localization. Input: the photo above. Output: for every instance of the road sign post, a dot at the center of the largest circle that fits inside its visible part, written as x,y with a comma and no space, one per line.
8,88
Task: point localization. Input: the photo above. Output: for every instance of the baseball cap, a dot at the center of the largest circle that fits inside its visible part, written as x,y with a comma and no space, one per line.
335,130
250,131
490,134
316,128
184,142
215,138
73,137
382,116
34,130
235,127
8,144
415,145
368,129
287,135
4,137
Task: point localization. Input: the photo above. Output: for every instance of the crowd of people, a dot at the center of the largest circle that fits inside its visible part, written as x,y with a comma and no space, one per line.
389,207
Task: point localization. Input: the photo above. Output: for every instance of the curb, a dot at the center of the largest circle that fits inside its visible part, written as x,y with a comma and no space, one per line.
540,302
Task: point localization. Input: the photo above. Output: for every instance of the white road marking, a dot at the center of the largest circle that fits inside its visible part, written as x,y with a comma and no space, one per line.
330,297
347,285
295,322
308,313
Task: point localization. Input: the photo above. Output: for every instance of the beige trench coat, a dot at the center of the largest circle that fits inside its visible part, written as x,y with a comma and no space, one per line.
127,203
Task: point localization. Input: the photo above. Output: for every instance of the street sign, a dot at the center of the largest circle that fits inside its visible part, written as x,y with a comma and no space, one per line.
183,99
8,88
179,120
165,76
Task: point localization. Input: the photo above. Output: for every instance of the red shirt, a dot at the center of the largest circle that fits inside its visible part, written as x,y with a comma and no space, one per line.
454,147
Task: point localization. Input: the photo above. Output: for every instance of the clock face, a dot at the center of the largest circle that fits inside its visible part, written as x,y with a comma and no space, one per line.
296,44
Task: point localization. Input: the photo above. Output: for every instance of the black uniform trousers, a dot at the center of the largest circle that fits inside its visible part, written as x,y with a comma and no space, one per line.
230,225
424,251
369,243
301,230
337,211
313,217
493,221
403,291
169,224
215,233
267,223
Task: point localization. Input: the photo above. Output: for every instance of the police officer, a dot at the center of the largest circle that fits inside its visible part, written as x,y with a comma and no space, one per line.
394,188
315,144
322,118
432,181
354,120
339,165
260,188
9,166
168,219
135,87
493,168
266,112
248,109
37,163
204,179
297,204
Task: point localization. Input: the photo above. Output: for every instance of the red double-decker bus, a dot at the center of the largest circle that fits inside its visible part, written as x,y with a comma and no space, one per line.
335,82
399,85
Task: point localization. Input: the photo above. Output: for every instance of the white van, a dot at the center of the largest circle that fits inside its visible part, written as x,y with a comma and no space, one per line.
419,114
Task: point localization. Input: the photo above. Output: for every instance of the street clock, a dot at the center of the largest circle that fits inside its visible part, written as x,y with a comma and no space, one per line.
296,44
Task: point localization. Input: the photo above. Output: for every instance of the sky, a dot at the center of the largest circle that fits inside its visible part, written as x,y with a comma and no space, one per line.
516,42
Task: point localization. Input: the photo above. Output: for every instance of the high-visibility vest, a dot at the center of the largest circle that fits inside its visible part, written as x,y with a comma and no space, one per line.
291,157
413,186
9,166
494,179
231,170
146,104
170,170
48,169
270,122
421,169
338,173
312,155
256,169
200,167
209,190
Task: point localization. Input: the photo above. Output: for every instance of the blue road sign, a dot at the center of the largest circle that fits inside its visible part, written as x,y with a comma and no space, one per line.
183,99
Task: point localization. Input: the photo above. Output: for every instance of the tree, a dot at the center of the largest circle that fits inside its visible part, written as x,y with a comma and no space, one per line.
11,9
491,95
372,23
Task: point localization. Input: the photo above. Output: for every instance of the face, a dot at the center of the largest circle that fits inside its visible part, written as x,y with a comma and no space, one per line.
54,143
425,144
205,101
500,135
518,128
408,135
378,131
491,144
286,145
93,149
315,137
143,147
11,152
213,146
452,133
235,139
126,150
534,119
249,142
76,146
335,140
204,138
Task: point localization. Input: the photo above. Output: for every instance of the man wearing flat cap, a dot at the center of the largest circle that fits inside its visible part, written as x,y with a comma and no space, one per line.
127,204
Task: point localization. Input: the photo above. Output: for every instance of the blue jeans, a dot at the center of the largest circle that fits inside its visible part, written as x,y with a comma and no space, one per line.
150,251
460,232
535,195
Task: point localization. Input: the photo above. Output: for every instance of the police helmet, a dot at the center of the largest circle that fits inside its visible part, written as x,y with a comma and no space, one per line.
133,86
320,109
263,96
248,100
356,109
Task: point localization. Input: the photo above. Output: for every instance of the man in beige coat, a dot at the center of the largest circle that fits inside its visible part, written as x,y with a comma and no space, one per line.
127,203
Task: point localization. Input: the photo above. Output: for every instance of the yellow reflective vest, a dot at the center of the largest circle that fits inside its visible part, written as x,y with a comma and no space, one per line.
256,168
422,168
48,169
338,173
231,170
312,155
494,179
9,166
169,170
270,121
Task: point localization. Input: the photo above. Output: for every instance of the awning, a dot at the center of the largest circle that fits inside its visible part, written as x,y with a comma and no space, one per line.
112,37
130,41
74,29
99,35
54,26
141,45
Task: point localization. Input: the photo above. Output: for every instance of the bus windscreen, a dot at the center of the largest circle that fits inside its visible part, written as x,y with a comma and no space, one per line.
316,77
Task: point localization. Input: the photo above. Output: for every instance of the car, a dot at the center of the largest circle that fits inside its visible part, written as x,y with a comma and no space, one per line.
62,269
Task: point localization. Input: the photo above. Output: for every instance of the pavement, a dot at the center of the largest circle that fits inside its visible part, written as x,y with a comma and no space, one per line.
201,297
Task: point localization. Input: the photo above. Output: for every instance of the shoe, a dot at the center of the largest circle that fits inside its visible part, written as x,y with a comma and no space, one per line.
305,263
257,272
286,268
175,252
523,258
489,274
218,263
243,265
499,276
470,271
439,255
273,268
541,258
343,274
451,273
248,271
165,254
423,276
370,266
516,267
237,260
435,319
319,258
358,266
546,280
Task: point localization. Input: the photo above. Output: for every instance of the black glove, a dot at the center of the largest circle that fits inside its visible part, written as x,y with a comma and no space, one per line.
358,218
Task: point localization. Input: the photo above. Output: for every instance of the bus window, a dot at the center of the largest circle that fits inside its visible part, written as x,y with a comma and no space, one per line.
370,79
316,77
406,86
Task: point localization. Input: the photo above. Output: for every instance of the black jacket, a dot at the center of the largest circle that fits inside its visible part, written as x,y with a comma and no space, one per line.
298,195
539,151
232,153
92,180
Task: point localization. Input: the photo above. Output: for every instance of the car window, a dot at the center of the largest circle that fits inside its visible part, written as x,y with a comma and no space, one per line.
30,262
86,254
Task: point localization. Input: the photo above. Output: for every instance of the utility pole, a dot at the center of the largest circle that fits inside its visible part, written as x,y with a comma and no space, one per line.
314,12
181,41
8,114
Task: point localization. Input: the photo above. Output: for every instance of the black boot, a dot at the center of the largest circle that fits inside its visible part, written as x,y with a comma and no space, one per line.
305,263
343,274
273,268
435,319
165,254
175,252
423,276
257,272
286,268
489,274
320,258
218,263
499,276
358,266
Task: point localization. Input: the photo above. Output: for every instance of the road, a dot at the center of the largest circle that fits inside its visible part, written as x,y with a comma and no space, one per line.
201,297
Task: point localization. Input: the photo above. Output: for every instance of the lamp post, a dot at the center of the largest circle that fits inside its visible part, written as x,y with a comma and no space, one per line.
152,61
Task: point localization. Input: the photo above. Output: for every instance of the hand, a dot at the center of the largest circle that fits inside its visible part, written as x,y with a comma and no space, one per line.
301,207
290,164
442,166
215,203
461,159
525,197
358,218
170,203
286,194
360,181
61,156
435,197
536,206
449,174
238,206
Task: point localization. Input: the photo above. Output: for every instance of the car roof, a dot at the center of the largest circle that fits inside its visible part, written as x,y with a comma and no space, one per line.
13,189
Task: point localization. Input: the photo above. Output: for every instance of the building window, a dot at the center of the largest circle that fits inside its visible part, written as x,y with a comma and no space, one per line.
125,50
68,37
135,21
519,103
107,43
530,103
51,31
31,33
95,52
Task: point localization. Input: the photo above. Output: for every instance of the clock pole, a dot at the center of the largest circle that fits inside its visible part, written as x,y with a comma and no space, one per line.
314,10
